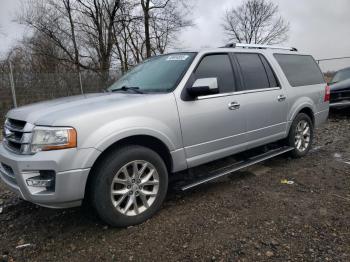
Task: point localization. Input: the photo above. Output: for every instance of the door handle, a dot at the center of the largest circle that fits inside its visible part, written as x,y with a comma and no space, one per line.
234,105
281,98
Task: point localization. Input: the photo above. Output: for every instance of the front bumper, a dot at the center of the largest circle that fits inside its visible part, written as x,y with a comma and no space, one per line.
71,168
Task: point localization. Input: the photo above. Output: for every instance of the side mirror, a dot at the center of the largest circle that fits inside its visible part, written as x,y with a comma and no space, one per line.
204,86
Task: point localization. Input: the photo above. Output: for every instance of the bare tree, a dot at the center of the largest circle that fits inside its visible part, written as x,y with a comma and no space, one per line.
98,34
134,42
98,19
255,21
166,23
83,30
68,8
147,7
39,50
128,34
163,18
53,20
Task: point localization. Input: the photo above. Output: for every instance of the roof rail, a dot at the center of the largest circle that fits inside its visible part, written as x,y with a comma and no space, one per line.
234,45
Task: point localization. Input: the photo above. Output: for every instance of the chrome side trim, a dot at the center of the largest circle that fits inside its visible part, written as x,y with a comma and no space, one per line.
239,93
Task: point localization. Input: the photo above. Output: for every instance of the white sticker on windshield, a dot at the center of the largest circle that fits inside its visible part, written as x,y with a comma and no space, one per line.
177,57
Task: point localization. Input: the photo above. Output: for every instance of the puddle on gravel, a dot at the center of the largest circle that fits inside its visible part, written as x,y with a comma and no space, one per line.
7,205
315,149
339,157
259,170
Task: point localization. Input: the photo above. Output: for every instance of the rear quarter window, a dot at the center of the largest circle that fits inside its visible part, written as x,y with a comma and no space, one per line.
300,70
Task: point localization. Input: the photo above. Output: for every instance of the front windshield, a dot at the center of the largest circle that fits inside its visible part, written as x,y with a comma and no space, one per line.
156,74
341,75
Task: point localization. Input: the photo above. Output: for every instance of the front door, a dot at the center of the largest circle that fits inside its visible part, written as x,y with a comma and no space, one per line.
212,127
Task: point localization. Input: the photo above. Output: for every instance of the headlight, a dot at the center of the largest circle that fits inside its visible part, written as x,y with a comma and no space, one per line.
53,138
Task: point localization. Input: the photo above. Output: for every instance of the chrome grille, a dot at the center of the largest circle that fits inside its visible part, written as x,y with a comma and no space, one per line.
17,135
15,124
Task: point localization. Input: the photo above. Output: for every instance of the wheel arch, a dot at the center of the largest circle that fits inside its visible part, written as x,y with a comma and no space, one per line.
305,108
141,140
308,111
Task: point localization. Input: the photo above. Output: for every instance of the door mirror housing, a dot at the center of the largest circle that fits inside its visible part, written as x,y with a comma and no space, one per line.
204,86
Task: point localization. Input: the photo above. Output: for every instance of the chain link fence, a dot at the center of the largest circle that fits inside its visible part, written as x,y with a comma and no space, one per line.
21,88
330,66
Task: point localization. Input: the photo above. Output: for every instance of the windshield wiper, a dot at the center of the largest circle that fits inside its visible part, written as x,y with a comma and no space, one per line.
127,88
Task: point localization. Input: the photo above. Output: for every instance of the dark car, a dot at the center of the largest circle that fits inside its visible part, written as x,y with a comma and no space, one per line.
340,89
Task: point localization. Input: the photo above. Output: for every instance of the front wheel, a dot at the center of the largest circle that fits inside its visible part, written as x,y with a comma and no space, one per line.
129,186
301,135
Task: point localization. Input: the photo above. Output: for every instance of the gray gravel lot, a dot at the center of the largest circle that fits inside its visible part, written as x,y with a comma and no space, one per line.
249,216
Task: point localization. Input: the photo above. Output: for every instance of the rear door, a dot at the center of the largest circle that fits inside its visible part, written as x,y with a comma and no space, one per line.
264,102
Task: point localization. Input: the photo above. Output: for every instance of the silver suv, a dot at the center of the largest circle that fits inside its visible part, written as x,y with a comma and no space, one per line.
170,113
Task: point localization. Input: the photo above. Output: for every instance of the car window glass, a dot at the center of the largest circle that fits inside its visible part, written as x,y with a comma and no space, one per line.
218,66
341,75
156,74
300,70
271,75
253,71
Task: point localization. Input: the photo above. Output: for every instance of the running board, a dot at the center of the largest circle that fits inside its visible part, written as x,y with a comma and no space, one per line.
237,166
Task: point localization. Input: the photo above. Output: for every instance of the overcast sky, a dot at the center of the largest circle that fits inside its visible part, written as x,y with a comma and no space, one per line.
318,27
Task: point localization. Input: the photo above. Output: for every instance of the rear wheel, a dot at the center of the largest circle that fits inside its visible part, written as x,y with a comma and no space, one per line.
129,186
301,135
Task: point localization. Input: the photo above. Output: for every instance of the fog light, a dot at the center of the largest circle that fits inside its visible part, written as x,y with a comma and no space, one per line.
39,181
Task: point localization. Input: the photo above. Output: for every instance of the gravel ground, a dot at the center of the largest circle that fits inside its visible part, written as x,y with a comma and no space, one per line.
249,216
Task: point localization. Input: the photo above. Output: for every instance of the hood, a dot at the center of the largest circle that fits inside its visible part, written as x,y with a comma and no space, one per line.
340,86
57,110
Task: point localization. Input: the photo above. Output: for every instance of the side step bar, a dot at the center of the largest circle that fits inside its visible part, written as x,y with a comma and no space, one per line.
237,166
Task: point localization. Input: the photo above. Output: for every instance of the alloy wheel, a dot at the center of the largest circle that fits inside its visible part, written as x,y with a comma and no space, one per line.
135,187
302,136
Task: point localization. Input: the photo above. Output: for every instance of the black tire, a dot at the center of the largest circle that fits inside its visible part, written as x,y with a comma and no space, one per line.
291,140
100,194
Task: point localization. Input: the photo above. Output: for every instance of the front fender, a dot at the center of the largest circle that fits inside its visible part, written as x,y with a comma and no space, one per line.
114,131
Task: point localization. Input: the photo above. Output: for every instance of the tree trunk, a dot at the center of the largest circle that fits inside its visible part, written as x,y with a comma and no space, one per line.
75,46
145,8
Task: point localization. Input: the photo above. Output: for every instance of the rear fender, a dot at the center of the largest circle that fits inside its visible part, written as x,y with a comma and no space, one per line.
300,104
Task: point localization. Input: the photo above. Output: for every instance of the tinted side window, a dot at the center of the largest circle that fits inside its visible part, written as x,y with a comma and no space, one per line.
218,66
300,70
271,75
253,71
